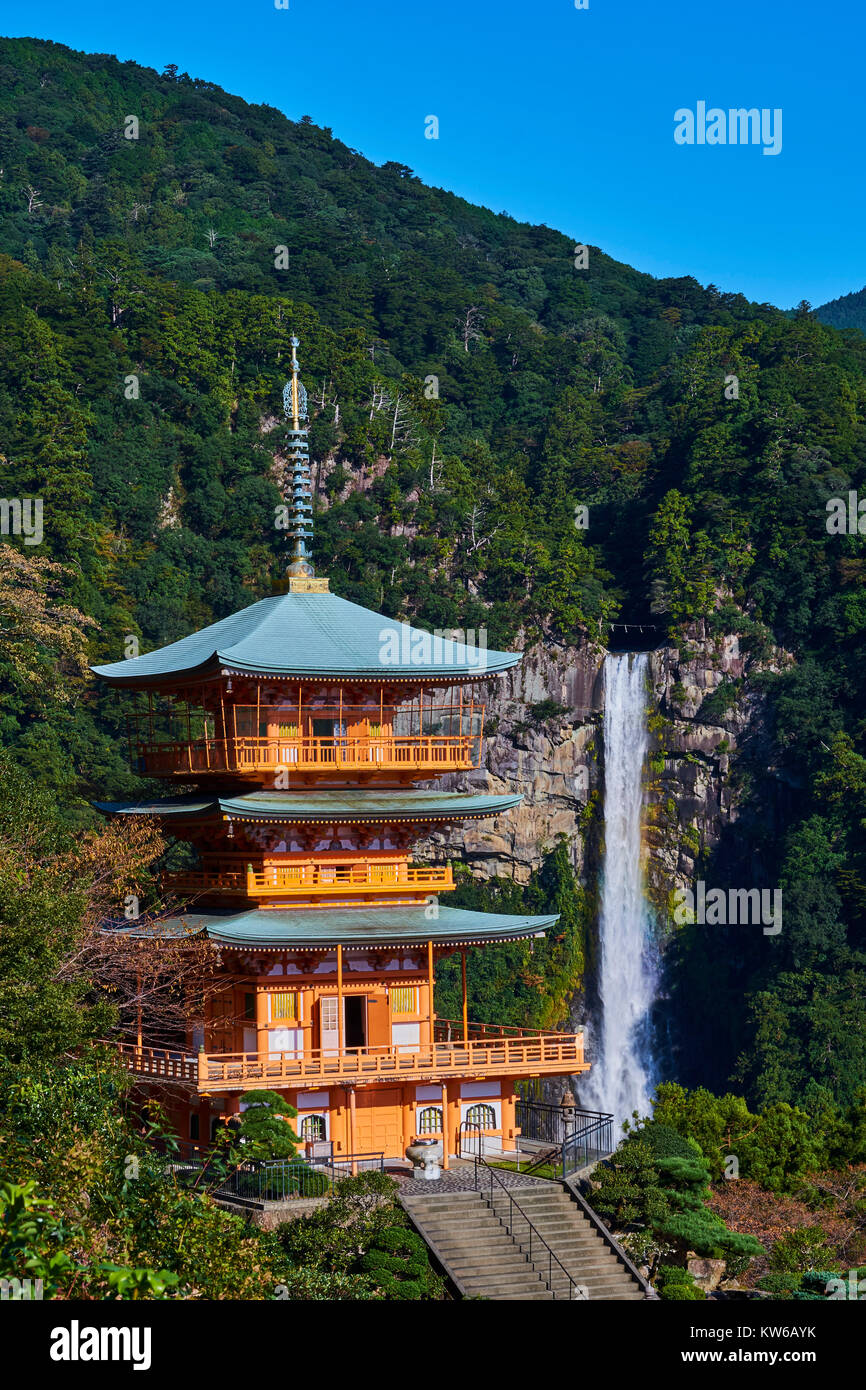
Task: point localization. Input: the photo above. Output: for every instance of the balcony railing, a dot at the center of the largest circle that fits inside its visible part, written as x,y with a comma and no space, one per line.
414,753
319,880
527,1054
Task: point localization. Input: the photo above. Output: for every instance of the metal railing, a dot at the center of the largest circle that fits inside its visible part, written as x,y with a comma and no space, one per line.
471,1139
538,1252
265,1180
589,1143
577,1137
554,1124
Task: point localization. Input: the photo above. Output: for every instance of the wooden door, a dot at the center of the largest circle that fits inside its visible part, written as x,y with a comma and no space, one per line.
328,1029
379,1122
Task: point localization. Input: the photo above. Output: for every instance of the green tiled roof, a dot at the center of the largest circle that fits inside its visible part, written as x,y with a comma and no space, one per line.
326,806
272,929
309,635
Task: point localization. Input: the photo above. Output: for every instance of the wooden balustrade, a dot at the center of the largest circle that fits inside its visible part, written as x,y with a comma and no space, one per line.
320,880
551,1054
445,752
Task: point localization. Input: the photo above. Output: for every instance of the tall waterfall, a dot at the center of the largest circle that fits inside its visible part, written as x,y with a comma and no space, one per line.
621,1079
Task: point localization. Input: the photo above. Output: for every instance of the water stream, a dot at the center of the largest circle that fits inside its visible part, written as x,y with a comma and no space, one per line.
621,1078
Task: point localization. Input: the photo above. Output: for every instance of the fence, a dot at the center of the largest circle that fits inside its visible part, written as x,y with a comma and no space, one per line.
582,1136
265,1180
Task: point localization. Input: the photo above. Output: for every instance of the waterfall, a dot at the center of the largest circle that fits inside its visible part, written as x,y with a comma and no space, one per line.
621,1078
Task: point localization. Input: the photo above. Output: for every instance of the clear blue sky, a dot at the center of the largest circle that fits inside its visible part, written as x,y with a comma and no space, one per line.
558,115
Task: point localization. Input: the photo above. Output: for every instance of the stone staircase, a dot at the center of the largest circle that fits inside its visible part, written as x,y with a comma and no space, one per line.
470,1240
591,1260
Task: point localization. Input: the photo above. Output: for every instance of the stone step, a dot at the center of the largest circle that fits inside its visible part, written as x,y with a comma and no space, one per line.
472,1241
468,1269
545,1296
500,1283
597,1287
504,1284
441,1198
458,1240
440,1221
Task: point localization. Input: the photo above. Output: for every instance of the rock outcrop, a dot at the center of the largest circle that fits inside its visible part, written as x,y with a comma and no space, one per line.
541,740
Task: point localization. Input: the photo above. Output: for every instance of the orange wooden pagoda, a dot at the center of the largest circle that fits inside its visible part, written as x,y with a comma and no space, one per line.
295,733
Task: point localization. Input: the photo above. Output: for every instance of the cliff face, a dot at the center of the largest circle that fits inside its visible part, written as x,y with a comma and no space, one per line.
707,712
544,740
542,724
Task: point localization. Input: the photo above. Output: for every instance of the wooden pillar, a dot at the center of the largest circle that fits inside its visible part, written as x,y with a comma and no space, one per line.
465,1006
350,1091
224,733
262,1022
138,1013
408,1100
430,1011
445,1125
340,1009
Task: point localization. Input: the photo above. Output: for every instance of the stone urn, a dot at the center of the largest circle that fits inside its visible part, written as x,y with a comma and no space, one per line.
426,1157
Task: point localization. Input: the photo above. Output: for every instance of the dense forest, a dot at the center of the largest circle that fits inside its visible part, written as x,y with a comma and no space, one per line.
472,385
848,311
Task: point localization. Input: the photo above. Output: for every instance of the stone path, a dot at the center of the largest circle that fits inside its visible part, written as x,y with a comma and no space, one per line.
462,1180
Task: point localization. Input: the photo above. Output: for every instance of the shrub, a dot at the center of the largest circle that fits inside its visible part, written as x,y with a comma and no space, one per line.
676,1284
398,1262
801,1250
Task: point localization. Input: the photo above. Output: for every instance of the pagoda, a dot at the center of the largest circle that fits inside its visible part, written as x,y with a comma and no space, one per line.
294,736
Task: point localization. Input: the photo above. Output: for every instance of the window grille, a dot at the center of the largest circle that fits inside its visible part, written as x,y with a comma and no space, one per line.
430,1120
484,1116
284,1006
313,1127
404,999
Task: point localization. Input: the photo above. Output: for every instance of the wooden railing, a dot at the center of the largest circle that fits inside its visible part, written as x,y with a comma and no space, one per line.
284,880
553,1054
445,752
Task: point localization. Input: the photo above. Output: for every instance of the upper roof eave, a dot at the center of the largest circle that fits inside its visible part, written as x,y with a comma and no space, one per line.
310,637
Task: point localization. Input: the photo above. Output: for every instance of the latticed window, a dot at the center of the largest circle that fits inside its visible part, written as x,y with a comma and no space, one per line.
313,1127
430,1120
404,999
484,1116
284,1006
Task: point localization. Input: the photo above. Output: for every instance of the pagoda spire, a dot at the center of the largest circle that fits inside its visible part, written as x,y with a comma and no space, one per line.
298,449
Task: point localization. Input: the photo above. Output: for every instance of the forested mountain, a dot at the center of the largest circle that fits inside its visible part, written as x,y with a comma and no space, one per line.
848,311
143,324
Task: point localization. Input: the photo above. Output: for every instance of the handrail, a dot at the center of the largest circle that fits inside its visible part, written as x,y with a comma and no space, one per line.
286,879
574,1290
489,1031
253,751
579,1142
567,1129
554,1053
607,1236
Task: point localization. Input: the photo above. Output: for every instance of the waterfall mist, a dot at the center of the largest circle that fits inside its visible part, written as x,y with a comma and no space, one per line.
621,1078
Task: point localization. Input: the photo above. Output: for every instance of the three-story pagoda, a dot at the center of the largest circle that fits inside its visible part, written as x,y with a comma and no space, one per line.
305,723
